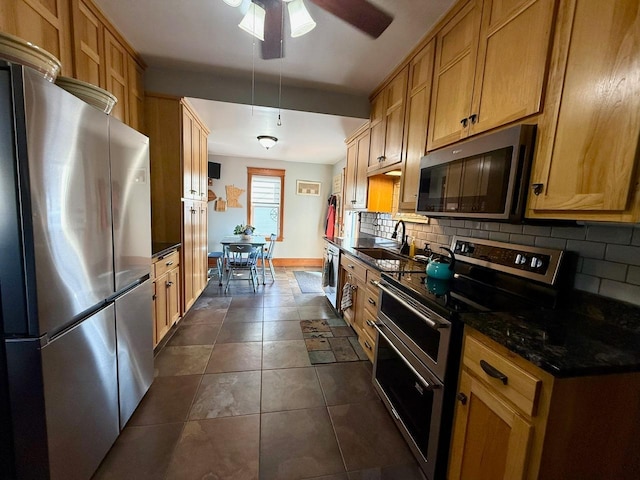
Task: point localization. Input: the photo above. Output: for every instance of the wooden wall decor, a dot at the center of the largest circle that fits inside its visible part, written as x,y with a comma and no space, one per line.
211,196
221,205
233,193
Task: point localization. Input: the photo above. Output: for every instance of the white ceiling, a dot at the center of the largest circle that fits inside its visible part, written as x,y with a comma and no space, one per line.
303,137
203,36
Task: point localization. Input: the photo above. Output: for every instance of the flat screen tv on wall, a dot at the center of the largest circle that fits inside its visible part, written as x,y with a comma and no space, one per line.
214,170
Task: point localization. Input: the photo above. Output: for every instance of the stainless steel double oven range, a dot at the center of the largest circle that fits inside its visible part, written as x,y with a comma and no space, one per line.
419,333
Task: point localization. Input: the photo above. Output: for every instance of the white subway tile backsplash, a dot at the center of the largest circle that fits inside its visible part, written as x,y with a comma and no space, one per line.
621,291
623,254
537,230
499,236
573,233
509,228
548,242
603,269
473,225
522,239
608,260
586,283
587,249
633,275
610,234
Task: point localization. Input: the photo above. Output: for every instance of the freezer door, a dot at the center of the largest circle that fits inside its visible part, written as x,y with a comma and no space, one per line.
81,396
131,203
68,166
134,327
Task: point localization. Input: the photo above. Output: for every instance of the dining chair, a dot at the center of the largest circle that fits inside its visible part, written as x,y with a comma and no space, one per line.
268,256
241,258
215,258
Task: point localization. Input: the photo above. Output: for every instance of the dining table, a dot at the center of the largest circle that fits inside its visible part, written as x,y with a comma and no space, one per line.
256,241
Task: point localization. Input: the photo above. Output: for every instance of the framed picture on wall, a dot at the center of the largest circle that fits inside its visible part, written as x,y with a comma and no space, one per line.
306,187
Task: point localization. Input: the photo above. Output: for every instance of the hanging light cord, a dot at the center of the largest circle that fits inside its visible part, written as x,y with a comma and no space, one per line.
281,61
253,66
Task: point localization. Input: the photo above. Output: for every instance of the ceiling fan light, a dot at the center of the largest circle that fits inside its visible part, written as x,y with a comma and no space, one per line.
267,141
300,19
253,21
233,3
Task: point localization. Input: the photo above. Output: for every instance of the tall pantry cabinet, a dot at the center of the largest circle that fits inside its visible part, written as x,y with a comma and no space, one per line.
178,151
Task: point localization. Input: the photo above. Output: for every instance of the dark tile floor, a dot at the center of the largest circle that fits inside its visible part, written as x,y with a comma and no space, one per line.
235,397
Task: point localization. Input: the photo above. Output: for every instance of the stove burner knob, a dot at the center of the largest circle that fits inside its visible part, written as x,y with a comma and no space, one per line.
536,262
521,259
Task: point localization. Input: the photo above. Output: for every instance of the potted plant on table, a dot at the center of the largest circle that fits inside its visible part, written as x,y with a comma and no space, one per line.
245,230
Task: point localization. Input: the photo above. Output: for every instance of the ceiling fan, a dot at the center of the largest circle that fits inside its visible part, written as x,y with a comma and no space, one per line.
361,14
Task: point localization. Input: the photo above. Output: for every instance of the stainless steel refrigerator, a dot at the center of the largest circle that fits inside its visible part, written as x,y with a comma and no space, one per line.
75,294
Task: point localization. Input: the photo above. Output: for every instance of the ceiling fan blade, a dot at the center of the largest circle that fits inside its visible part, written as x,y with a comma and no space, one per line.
359,13
272,29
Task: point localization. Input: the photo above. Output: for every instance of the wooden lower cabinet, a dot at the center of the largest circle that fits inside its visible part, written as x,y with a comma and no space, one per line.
361,316
531,425
166,294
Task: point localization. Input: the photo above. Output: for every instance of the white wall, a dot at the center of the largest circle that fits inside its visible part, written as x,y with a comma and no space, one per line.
304,216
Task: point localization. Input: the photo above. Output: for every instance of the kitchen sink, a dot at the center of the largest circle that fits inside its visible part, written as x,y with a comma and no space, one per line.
380,254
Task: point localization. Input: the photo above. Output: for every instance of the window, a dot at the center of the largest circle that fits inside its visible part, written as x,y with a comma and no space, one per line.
266,200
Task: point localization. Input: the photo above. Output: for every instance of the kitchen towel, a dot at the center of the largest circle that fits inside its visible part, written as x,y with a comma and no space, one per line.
346,301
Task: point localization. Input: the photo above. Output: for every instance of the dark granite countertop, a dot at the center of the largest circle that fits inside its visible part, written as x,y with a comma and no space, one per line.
158,248
369,241
589,335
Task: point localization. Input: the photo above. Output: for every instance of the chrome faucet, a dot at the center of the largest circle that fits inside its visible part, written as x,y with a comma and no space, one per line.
404,246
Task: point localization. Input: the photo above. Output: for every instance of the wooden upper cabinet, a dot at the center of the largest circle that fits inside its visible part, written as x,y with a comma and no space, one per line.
187,153
88,44
44,23
135,80
490,67
387,123
586,160
512,59
116,66
456,52
355,188
416,124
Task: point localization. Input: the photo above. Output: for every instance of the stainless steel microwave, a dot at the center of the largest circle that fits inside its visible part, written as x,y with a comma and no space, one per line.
484,178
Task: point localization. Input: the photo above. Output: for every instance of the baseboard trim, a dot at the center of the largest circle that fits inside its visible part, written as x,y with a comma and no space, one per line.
297,262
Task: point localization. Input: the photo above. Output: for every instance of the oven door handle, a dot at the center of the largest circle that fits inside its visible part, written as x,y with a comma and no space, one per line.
429,321
427,385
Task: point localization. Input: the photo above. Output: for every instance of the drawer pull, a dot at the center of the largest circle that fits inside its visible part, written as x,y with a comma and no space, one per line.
366,344
169,284
351,266
370,323
168,264
371,301
493,372
375,283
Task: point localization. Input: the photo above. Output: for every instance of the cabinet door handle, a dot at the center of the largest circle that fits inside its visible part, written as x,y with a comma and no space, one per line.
537,188
374,282
462,398
464,122
493,372
371,301
370,323
193,191
473,118
153,297
169,284
353,202
366,344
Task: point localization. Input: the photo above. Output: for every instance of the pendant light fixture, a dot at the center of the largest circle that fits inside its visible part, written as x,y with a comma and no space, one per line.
299,18
267,141
233,3
253,21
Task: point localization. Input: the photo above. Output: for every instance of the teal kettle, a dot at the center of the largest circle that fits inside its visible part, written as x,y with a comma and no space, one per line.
441,267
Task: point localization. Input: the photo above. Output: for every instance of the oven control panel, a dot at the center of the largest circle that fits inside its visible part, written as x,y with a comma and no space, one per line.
523,260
